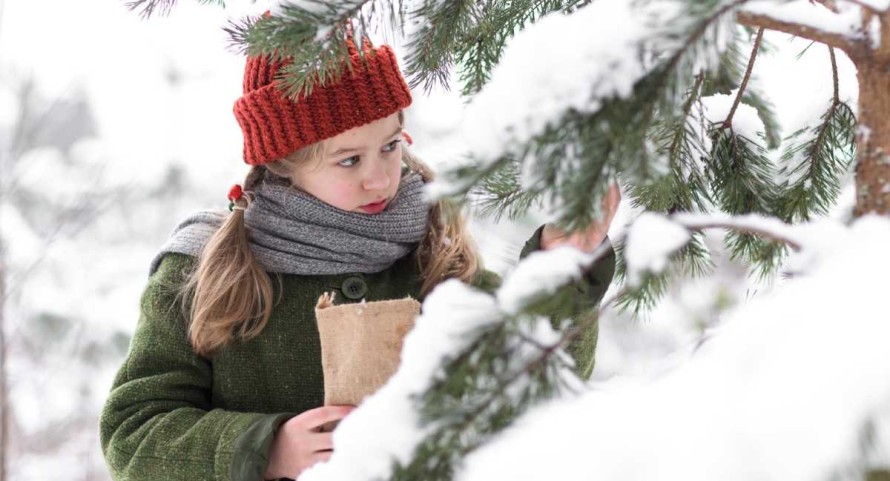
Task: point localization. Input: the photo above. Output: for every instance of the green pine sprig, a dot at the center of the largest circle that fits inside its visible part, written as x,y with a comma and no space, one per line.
692,260
572,161
311,35
814,161
728,76
501,193
500,375
480,48
678,142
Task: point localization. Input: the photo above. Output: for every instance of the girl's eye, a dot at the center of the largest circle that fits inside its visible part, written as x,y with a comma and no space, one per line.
349,161
391,146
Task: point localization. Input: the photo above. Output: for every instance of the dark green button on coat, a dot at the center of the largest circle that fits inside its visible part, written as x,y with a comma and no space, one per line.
173,415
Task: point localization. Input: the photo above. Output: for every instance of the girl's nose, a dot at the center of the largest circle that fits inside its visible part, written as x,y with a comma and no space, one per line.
376,178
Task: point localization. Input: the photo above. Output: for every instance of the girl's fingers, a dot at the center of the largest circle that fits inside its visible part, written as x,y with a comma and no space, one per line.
612,198
314,418
321,441
321,456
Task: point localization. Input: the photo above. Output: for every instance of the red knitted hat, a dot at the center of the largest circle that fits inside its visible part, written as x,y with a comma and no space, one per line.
275,126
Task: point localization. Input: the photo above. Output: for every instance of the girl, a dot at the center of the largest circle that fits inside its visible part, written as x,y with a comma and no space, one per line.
223,379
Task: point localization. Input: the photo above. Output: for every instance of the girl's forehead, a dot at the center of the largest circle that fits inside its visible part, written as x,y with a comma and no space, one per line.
364,136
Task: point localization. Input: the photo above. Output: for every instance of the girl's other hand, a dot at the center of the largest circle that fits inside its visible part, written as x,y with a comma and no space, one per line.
299,443
590,238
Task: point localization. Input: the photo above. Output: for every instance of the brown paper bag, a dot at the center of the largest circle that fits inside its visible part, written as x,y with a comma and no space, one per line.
361,345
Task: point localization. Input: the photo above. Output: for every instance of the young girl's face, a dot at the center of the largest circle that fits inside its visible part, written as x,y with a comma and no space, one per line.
360,169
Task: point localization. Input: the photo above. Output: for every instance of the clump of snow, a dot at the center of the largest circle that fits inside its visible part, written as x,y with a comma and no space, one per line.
847,21
651,240
604,61
874,32
782,391
541,273
753,222
745,121
882,5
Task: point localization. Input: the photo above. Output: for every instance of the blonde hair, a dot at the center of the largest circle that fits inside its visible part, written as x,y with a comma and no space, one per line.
232,295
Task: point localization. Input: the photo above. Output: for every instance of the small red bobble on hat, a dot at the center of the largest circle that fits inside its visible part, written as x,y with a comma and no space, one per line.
236,193
408,138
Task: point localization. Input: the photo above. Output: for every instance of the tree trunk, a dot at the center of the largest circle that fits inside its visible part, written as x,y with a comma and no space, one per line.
873,143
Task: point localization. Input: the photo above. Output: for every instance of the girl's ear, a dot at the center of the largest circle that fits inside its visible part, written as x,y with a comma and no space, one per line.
407,137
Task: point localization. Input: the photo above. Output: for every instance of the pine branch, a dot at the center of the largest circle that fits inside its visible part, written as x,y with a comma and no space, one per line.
481,48
573,160
431,48
728,76
761,241
831,39
741,174
815,159
762,226
728,122
742,182
502,193
693,260
500,374
772,129
311,36
681,142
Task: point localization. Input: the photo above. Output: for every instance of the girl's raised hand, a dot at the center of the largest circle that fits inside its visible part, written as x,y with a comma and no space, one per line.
590,238
300,443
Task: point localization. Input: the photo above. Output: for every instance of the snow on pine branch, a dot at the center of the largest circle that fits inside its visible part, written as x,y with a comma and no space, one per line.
653,238
783,390
846,22
650,241
388,425
879,5
745,122
580,61
541,274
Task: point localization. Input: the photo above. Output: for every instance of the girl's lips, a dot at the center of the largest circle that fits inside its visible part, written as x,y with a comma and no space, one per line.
374,208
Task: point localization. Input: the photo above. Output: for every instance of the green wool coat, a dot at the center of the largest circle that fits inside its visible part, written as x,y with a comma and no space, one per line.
174,415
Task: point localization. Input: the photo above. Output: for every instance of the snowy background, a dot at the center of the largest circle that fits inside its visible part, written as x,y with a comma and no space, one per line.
112,128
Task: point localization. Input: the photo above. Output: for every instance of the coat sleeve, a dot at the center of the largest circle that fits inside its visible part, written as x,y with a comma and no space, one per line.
588,293
158,422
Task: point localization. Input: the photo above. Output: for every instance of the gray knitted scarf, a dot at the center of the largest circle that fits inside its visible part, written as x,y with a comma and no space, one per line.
292,232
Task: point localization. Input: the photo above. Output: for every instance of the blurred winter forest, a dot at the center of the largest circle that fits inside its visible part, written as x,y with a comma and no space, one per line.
113,128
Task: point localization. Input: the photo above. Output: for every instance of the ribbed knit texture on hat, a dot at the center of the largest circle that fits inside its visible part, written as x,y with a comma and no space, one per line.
275,126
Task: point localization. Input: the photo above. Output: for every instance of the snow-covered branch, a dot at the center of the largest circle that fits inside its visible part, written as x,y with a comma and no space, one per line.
768,227
835,27
782,391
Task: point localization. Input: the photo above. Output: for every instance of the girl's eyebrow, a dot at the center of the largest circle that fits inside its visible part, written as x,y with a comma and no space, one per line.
346,150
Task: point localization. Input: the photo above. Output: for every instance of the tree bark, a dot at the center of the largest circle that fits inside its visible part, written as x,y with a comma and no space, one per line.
873,139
